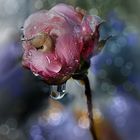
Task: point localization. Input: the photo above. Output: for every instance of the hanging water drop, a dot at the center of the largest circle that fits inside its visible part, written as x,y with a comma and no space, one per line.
58,91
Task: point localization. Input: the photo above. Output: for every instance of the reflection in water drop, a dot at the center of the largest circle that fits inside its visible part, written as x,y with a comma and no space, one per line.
55,118
58,91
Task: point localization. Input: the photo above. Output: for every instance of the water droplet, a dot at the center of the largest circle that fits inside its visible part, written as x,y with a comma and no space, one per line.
58,91
36,74
76,61
30,54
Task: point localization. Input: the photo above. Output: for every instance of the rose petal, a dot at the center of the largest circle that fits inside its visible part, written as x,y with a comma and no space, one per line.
68,12
68,49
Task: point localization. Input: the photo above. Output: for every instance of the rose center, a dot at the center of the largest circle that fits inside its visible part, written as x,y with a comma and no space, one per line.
42,42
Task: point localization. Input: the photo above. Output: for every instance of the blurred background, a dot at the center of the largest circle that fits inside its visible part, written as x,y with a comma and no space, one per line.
26,110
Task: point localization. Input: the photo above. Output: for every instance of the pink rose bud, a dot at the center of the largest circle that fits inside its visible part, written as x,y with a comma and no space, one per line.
56,40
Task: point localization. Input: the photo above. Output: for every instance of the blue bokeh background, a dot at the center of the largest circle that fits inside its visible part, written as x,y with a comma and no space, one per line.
26,110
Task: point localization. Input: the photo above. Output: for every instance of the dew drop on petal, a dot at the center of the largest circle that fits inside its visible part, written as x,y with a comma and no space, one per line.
76,61
29,53
54,67
35,74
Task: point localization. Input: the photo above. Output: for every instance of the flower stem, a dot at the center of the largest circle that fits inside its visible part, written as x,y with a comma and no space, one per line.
89,106
88,95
